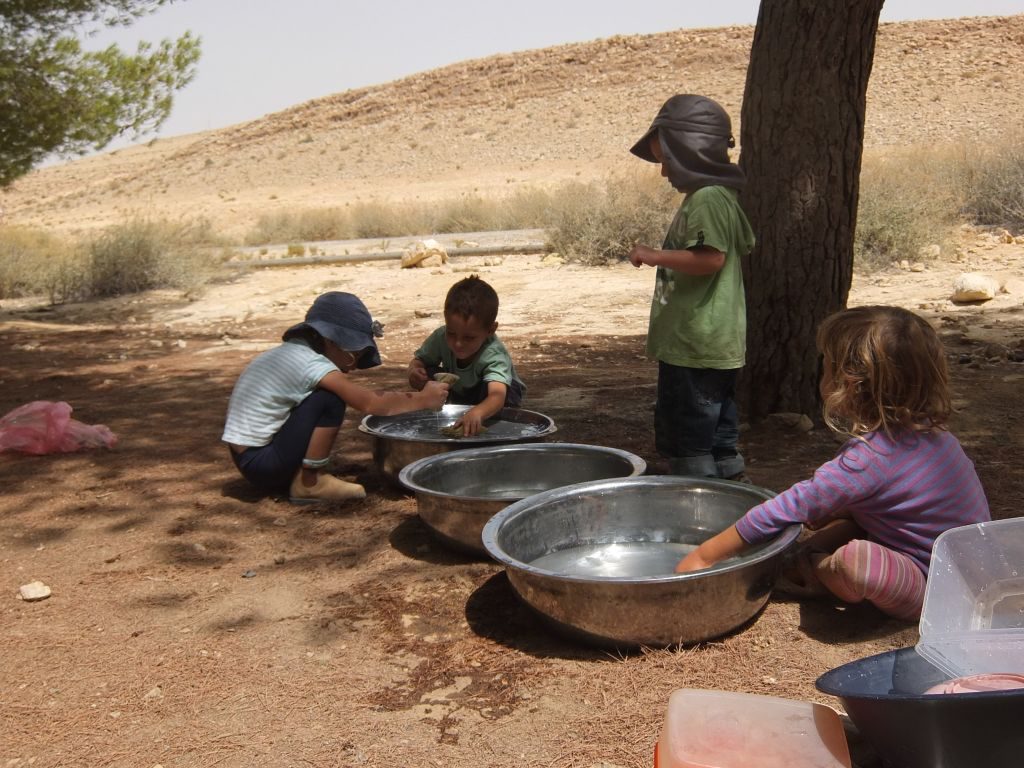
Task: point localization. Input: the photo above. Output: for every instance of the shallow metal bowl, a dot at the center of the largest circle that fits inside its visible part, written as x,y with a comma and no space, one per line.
459,491
597,559
402,439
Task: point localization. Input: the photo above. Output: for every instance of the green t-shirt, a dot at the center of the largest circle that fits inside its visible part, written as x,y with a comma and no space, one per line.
492,363
701,321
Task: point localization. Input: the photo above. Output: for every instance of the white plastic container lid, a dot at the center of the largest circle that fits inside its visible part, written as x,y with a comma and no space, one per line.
722,729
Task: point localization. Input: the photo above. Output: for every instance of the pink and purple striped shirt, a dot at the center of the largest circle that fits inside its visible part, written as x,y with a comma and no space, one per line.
902,492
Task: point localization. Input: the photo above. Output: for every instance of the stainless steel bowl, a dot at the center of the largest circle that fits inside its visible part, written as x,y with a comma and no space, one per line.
402,439
459,491
596,559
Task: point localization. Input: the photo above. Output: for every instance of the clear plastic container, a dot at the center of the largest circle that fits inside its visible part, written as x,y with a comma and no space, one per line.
972,622
721,729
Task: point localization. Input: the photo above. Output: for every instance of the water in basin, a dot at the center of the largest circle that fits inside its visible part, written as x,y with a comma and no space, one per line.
633,559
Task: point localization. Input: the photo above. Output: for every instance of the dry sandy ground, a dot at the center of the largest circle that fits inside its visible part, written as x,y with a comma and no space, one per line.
357,639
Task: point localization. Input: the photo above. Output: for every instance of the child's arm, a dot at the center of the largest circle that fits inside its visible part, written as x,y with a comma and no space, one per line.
717,548
417,372
380,403
472,419
697,261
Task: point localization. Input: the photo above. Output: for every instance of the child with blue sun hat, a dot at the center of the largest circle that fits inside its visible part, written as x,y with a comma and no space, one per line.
287,406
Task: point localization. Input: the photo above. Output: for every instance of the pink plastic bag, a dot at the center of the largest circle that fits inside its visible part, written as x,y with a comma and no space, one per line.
44,427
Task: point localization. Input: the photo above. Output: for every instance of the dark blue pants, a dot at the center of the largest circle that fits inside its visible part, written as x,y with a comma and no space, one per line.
271,467
696,425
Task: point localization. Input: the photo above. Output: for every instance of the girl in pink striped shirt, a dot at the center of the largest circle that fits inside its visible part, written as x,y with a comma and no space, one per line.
902,479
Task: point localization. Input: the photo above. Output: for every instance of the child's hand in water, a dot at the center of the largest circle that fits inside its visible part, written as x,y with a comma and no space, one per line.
471,423
692,562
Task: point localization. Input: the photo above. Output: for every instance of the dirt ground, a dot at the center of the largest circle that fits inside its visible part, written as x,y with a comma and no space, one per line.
196,623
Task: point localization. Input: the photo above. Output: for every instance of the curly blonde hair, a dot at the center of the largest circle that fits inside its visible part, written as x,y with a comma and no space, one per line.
884,369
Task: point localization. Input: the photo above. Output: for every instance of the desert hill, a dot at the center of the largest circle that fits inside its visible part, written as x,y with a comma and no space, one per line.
530,118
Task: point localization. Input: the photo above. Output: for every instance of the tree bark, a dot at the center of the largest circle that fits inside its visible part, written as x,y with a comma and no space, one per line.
802,140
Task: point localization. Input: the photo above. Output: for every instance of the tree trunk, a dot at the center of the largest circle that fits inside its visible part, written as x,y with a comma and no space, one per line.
802,140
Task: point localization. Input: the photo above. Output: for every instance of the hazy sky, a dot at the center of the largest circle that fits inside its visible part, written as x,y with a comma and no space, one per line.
261,56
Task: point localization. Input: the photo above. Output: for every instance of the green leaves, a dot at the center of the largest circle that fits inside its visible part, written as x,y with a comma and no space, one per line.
57,98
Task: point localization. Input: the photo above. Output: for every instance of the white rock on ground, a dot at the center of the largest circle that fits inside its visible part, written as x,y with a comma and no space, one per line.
34,590
972,286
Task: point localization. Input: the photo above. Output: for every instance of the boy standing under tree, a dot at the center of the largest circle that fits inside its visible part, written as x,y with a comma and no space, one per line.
698,322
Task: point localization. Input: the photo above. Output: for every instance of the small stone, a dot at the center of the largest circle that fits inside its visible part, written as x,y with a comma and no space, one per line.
154,693
279,559
33,591
422,313
280,521
249,574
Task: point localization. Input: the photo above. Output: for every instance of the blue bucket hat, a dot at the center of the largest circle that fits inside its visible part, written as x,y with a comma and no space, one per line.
345,320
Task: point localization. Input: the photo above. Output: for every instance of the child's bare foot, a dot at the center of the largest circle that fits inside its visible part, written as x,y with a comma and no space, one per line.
327,488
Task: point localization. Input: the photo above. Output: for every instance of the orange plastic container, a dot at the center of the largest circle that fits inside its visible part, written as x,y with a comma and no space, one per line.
721,729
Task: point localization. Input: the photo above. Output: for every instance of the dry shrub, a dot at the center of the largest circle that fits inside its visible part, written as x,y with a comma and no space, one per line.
599,223
141,254
383,219
908,201
469,213
992,178
25,257
529,208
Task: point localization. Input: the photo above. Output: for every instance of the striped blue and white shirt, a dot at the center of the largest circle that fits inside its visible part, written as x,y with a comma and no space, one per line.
270,386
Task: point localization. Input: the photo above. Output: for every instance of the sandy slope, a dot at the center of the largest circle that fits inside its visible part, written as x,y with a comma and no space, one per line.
497,124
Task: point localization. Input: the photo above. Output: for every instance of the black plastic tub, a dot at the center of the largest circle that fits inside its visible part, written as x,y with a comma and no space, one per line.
884,697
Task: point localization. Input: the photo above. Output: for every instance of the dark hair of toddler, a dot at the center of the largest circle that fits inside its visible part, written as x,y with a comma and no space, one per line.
472,297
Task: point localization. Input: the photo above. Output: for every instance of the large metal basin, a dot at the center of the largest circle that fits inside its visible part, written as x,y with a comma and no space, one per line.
402,439
459,491
596,559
